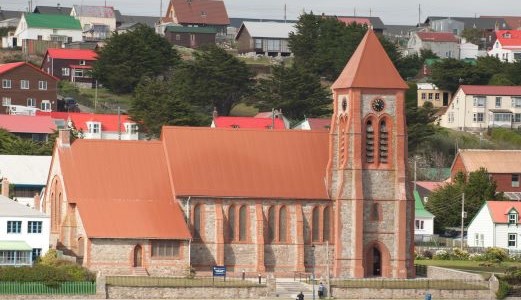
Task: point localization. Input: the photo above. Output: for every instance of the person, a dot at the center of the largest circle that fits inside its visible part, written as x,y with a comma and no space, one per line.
320,291
300,296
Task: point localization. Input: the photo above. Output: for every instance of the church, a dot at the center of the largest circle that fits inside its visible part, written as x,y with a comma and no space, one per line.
253,200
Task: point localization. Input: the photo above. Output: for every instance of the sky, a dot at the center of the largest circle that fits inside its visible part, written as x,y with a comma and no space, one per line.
402,12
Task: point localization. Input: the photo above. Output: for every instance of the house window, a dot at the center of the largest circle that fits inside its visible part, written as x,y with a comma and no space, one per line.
78,73
479,101
430,96
498,102
437,96
478,117
6,101
14,226
515,180
369,142
45,105
42,85
424,96
197,222
65,71
165,248
451,117
82,62
37,252
31,102
383,150
283,230
517,118
258,43
512,218
177,37
516,102
93,127
131,128
512,240
34,227
6,83
418,224
24,84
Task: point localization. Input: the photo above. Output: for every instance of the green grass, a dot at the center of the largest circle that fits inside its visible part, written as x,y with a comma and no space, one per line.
177,282
469,265
409,284
243,110
106,101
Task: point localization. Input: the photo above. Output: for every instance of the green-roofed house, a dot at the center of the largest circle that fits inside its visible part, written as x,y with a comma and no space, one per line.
423,219
44,27
190,37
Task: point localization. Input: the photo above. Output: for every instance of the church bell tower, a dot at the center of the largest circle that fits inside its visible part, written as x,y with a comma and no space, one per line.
367,180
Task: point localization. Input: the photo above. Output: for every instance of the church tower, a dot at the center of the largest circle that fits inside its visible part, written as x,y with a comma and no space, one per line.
366,172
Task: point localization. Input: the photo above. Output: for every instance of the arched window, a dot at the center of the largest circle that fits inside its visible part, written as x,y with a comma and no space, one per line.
242,223
315,225
369,142
197,221
383,141
326,219
375,212
271,225
231,223
282,224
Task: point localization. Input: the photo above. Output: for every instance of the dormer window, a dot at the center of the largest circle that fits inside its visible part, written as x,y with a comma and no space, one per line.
82,62
131,128
94,127
507,35
235,126
512,217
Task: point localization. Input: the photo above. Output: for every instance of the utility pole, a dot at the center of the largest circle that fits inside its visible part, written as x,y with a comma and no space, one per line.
119,124
354,11
415,173
96,96
327,269
419,14
463,215
285,12
370,12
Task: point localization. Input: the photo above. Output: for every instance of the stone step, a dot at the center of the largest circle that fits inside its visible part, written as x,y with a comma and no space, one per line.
140,272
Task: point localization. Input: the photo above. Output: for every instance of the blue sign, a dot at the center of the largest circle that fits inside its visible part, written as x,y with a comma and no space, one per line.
219,271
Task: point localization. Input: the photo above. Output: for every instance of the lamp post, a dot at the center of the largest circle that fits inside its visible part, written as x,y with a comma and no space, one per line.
313,269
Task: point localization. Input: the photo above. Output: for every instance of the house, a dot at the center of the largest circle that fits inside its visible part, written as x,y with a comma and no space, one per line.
96,126
496,225
24,233
236,23
27,175
97,22
74,65
443,44
43,27
25,85
423,220
198,13
247,122
314,124
249,199
190,37
429,92
372,22
267,38
53,10
512,22
274,113
447,25
507,46
35,128
478,107
469,50
503,166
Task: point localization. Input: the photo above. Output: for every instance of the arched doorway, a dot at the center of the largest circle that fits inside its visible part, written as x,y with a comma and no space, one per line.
377,263
138,256
377,260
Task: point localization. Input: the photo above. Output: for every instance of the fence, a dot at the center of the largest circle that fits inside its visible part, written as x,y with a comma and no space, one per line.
33,288
142,281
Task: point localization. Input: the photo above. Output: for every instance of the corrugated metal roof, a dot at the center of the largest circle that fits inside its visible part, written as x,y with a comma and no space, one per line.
419,209
250,163
109,122
248,122
15,246
509,37
69,53
437,36
10,66
52,21
319,124
94,11
499,210
495,161
11,208
370,67
210,12
27,124
122,189
53,10
269,29
491,90
25,169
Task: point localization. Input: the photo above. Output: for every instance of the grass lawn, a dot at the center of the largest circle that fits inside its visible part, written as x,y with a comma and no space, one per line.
243,110
177,282
107,101
468,265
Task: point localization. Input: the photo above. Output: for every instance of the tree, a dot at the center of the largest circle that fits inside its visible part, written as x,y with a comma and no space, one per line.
156,104
214,78
296,91
13,145
130,56
472,35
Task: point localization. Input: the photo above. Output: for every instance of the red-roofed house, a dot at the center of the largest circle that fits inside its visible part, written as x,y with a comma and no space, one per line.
198,13
496,225
443,44
247,122
314,124
36,128
24,85
73,65
478,107
253,199
507,46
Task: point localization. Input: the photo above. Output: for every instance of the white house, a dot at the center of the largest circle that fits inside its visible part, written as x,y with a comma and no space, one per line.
97,22
27,175
45,27
469,50
423,219
24,233
496,225
507,46
267,38
477,107
443,44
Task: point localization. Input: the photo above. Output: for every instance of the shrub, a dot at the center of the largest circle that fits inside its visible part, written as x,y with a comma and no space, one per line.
427,254
460,254
504,289
496,254
441,255
477,256
49,259
189,272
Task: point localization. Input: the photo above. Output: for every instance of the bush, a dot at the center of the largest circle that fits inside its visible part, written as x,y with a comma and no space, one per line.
427,254
495,254
441,255
504,289
189,272
50,258
460,254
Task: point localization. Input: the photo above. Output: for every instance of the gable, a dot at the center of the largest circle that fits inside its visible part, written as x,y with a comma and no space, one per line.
209,12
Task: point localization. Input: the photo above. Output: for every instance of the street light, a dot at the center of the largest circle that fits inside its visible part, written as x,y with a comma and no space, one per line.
313,269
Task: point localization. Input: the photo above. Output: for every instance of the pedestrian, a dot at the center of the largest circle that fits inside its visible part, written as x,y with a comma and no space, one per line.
300,296
320,291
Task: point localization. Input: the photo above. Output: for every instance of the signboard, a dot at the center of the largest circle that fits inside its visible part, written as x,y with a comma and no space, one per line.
219,271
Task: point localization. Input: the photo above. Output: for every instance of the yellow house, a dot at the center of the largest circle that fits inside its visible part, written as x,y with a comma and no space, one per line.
428,92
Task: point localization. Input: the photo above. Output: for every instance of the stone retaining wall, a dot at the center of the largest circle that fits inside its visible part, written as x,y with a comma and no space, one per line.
118,292
367,293
444,274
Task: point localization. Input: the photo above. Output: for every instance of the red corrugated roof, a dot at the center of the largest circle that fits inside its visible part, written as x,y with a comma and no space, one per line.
109,122
66,53
119,199
430,185
7,67
499,210
495,161
319,124
349,20
437,36
27,124
249,163
211,12
509,37
370,67
492,90
248,122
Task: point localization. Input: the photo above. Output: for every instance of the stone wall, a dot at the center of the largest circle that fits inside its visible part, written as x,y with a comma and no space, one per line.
117,292
448,274
367,293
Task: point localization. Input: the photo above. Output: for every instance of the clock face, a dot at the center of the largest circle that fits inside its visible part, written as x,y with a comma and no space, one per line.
344,104
378,104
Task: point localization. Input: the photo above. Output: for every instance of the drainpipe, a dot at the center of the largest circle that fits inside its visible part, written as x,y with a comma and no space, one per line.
188,223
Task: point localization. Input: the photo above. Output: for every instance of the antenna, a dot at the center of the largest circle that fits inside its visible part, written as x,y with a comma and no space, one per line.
370,12
354,11
284,12
161,9
419,14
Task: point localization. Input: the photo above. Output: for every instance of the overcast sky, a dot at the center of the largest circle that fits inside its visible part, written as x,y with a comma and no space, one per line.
390,11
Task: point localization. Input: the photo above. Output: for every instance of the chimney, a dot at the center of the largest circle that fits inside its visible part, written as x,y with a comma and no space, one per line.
64,138
37,201
5,187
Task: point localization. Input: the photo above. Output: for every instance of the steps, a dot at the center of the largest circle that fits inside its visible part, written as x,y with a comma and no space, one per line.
139,271
287,289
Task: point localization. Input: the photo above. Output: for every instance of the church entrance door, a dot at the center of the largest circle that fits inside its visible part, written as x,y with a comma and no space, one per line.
138,256
377,262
